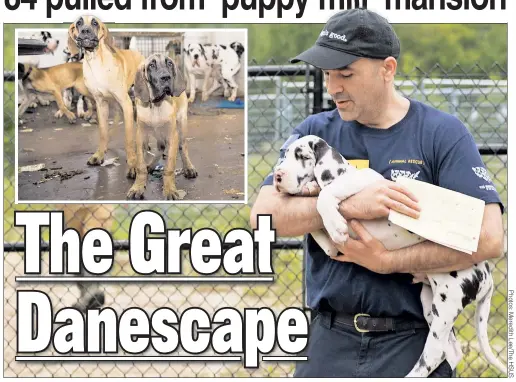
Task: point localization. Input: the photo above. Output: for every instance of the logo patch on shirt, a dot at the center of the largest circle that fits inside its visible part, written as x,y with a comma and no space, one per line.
359,163
481,172
404,173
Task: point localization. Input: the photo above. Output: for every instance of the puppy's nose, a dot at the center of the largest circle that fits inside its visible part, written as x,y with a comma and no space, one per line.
165,78
279,176
196,56
57,42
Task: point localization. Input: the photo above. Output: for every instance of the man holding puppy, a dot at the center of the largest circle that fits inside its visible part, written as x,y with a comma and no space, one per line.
375,126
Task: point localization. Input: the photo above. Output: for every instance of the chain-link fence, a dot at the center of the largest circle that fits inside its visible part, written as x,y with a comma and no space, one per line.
279,97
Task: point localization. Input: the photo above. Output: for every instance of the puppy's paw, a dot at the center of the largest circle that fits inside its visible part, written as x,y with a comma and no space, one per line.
337,228
232,98
136,191
204,97
81,114
58,114
44,102
96,159
190,173
33,105
191,99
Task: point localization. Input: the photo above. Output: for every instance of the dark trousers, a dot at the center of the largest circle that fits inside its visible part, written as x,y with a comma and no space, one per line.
337,350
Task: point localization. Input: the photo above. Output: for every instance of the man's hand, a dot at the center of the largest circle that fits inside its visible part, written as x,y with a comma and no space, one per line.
365,251
375,202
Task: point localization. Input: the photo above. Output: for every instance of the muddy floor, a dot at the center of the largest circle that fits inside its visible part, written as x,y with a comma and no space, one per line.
216,144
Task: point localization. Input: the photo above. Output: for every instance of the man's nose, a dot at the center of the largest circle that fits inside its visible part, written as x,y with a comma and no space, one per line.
333,86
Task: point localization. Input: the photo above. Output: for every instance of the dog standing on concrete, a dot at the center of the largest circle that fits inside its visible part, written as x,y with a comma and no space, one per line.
310,160
162,107
54,81
200,60
108,74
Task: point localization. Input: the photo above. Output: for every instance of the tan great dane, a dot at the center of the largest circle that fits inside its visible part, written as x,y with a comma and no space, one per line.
109,73
53,80
161,108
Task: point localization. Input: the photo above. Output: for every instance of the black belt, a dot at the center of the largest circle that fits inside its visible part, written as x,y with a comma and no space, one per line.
364,323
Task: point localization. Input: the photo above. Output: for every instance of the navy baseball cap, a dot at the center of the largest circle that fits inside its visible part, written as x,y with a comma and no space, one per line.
350,35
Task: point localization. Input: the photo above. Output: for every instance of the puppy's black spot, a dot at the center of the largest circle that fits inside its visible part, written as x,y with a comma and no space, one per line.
470,287
428,368
320,162
326,176
223,46
487,267
453,274
311,145
389,224
435,282
422,362
443,297
320,148
434,310
443,356
336,156
435,335
300,179
475,265
410,232
297,153
480,319
446,286
340,171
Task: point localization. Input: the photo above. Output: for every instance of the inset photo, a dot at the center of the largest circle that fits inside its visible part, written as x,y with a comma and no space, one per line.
145,115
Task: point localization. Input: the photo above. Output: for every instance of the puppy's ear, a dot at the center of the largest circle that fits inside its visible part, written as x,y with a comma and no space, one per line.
72,45
179,82
141,87
104,34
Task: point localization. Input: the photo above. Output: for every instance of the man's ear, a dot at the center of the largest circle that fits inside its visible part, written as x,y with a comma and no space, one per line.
72,45
141,86
179,83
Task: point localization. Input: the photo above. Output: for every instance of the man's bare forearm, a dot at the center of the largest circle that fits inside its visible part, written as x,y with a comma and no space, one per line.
428,257
291,215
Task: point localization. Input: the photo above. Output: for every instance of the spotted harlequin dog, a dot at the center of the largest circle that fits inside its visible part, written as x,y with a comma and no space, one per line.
311,160
218,62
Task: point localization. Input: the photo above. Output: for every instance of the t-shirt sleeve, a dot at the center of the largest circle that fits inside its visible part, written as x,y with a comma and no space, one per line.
299,131
461,169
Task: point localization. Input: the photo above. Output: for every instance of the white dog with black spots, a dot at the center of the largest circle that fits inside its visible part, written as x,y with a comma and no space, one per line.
218,62
310,161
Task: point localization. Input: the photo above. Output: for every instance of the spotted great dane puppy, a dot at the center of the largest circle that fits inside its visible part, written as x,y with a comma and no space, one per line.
309,161
218,62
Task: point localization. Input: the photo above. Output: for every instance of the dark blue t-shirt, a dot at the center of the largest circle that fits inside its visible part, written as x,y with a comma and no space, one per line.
428,145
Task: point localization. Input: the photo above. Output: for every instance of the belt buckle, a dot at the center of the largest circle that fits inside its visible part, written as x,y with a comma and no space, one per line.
355,322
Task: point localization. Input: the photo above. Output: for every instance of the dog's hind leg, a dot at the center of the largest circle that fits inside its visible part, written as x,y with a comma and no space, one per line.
445,308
